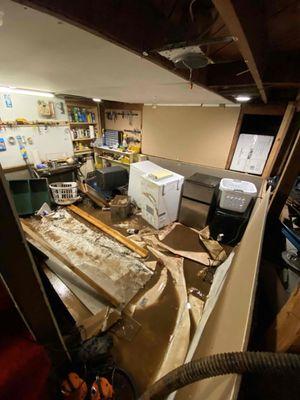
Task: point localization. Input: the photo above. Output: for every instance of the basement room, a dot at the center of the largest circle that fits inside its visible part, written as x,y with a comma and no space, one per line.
150,199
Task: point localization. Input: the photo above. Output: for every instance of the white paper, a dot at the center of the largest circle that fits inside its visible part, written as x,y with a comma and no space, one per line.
251,153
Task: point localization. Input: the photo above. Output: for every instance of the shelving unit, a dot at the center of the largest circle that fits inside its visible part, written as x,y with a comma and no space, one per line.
101,154
84,124
125,119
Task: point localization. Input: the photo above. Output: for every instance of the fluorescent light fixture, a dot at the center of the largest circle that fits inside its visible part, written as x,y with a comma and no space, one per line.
243,98
97,100
4,89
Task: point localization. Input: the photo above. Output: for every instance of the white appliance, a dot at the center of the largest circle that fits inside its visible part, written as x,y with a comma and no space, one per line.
236,195
137,170
160,199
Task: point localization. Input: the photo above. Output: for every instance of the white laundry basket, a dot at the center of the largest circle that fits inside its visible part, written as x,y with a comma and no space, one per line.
236,195
64,193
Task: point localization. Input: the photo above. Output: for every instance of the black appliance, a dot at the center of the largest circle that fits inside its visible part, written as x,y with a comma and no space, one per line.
199,199
228,226
108,182
111,177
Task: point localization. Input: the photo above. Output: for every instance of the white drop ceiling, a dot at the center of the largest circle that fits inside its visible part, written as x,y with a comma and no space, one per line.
39,52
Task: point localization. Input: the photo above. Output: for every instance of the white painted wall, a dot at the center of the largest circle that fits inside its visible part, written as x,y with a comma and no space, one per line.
54,141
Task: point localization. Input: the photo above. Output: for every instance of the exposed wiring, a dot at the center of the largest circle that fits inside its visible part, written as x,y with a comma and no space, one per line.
191,74
191,9
218,30
221,48
243,72
284,8
202,34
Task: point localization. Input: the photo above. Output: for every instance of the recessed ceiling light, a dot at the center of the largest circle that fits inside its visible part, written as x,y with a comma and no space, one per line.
243,98
97,100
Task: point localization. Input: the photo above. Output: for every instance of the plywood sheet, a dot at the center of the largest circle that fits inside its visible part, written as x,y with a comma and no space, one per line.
200,135
91,251
229,324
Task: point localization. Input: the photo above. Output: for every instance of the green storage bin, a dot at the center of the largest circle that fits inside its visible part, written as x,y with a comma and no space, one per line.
29,194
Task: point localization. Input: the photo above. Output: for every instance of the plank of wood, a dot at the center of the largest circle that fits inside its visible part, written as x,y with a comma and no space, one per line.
107,290
245,22
284,334
92,194
77,309
286,180
235,139
95,197
110,231
283,129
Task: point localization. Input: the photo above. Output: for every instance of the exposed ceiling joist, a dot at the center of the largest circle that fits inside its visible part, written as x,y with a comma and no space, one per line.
244,19
262,63
133,24
109,19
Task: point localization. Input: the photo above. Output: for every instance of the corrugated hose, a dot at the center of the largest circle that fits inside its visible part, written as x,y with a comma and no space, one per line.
223,364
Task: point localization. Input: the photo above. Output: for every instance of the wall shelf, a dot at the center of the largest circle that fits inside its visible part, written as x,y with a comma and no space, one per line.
83,152
83,123
13,124
112,160
125,153
81,139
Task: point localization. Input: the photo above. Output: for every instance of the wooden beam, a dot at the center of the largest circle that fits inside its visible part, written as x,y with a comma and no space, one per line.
93,195
137,25
110,231
235,139
286,181
284,334
74,306
283,129
22,280
106,290
245,21
133,20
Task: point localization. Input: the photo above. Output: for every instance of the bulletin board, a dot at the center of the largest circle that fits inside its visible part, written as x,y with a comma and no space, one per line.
40,142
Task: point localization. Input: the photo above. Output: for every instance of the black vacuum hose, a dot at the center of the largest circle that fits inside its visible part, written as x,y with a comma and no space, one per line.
222,364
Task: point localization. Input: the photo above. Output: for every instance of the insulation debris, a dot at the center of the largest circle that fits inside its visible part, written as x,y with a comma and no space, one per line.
91,250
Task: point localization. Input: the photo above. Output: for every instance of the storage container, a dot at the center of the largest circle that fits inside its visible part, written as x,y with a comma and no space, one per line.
235,195
29,195
64,193
120,208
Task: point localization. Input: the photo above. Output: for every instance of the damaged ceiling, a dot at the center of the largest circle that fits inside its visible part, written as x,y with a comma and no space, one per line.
248,47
